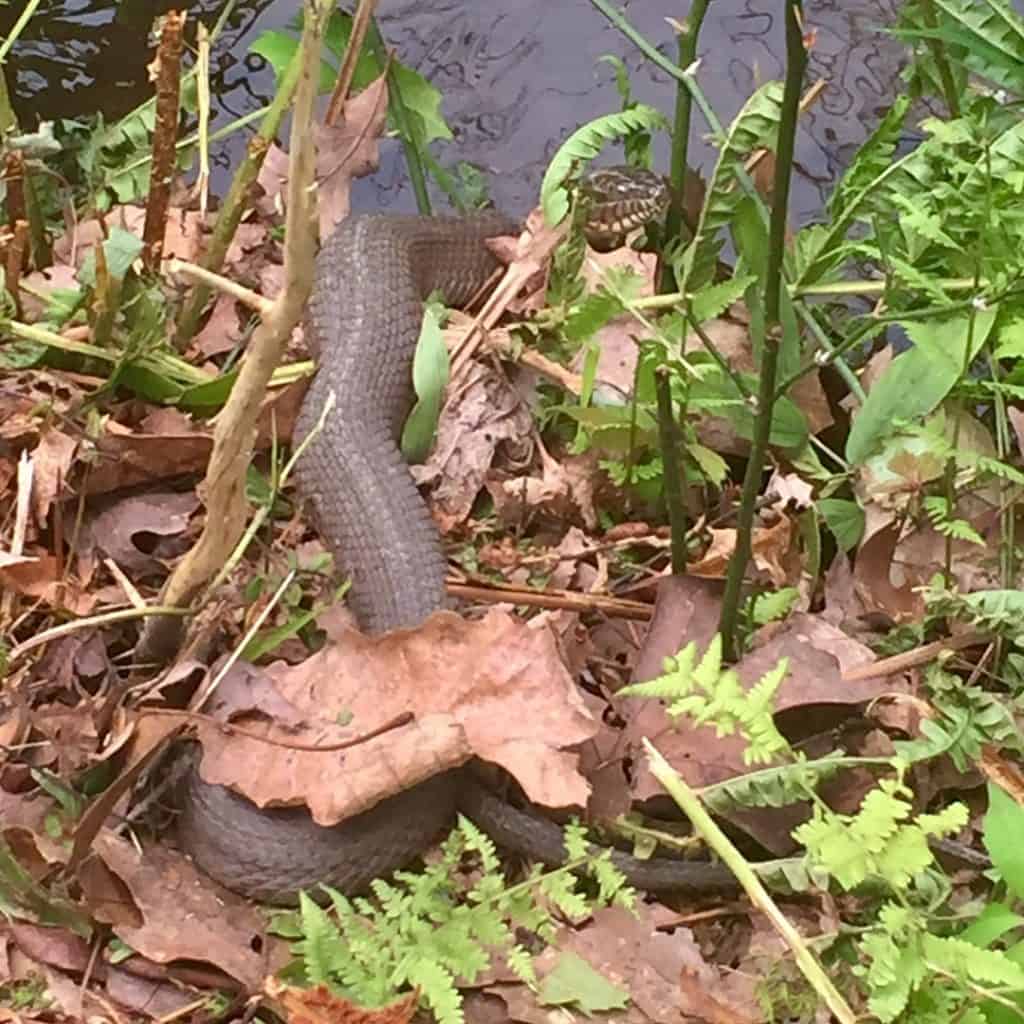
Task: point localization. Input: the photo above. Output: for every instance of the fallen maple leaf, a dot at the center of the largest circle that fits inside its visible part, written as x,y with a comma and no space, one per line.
494,688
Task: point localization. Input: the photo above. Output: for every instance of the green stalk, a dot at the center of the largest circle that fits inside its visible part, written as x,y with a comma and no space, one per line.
687,54
23,19
236,202
161,364
618,19
403,121
718,841
8,121
672,475
796,61
949,90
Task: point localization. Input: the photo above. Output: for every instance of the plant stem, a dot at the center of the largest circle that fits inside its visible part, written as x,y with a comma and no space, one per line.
672,474
235,203
796,60
403,121
687,54
618,19
949,90
235,430
23,19
716,839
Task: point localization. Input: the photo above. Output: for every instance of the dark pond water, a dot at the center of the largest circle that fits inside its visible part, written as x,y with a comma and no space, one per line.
516,78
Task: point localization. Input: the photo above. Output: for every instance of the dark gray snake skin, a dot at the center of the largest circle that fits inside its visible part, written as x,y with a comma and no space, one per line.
363,323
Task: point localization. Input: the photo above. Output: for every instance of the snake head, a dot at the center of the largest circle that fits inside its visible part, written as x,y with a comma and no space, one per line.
619,200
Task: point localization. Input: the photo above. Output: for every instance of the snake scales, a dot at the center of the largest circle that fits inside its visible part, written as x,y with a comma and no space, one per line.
363,322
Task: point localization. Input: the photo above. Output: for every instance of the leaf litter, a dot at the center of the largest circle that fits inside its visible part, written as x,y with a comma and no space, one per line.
499,687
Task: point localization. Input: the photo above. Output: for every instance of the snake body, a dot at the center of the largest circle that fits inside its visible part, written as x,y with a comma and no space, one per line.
363,324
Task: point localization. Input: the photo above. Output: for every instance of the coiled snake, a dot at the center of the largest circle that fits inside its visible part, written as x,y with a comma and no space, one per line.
363,323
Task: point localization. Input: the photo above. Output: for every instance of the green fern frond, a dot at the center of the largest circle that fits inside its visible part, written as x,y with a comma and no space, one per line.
755,127
437,990
583,145
319,943
999,469
937,510
880,841
915,976
521,964
777,786
429,930
711,696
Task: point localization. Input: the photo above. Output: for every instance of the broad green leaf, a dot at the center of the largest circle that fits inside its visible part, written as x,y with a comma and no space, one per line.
429,378
994,921
206,399
278,48
573,982
750,232
755,127
917,380
845,519
422,101
1003,829
121,250
716,391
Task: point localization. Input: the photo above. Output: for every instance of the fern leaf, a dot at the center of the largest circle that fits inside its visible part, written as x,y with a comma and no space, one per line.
521,964
319,945
755,126
582,146
992,35
438,991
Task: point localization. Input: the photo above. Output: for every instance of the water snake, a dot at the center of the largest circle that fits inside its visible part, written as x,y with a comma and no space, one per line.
363,323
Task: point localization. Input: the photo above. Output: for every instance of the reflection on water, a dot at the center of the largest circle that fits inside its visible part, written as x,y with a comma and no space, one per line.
516,80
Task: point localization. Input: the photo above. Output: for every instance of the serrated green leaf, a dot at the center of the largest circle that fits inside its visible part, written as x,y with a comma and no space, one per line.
714,299
755,127
582,146
573,982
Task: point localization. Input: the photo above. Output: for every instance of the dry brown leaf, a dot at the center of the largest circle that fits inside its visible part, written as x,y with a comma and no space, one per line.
320,1006
140,533
630,952
38,576
221,332
126,459
714,563
1016,418
181,915
247,238
55,947
686,608
349,150
479,416
183,235
159,999
494,689
46,281
872,572
273,179
52,460
789,489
